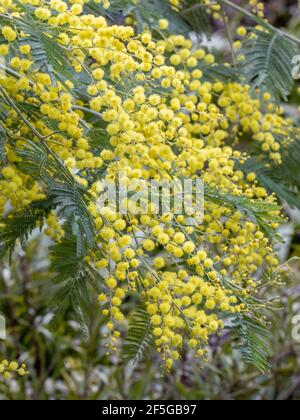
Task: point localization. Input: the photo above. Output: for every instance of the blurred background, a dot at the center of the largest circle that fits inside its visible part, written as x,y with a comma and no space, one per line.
66,365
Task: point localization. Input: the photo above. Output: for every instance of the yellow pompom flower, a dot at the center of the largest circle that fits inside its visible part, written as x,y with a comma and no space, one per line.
163,24
42,13
9,33
242,31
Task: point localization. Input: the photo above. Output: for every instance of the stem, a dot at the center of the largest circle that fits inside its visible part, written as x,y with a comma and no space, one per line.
225,20
84,109
32,128
26,121
15,74
259,20
197,6
84,124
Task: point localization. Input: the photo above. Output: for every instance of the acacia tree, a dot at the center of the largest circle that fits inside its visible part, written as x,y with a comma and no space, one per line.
83,100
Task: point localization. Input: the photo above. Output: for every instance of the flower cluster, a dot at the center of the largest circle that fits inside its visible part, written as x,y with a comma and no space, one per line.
212,7
256,6
163,120
7,369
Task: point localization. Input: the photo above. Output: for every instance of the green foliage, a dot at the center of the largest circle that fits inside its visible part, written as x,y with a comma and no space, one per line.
63,192
268,62
145,13
99,139
75,278
255,346
282,179
254,210
48,54
191,15
18,228
221,72
139,337
195,14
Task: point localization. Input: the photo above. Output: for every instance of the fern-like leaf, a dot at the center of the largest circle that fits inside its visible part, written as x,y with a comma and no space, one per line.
68,197
74,277
139,337
221,72
257,211
48,55
195,14
19,226
271,178
255,347
283,178
268,62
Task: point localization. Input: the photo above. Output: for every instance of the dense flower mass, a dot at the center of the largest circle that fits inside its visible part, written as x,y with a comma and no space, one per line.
161,119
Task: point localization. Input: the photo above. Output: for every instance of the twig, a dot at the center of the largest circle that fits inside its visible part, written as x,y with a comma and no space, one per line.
41,138
84,109
259,20
26,121
225,20
15,74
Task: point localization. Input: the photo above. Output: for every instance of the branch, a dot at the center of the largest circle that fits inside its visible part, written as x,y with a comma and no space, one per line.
259,20
26,121
88,110
15,74
41,138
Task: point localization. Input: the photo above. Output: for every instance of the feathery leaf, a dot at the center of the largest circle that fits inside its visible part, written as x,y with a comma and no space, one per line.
254,338
139,337
268,62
